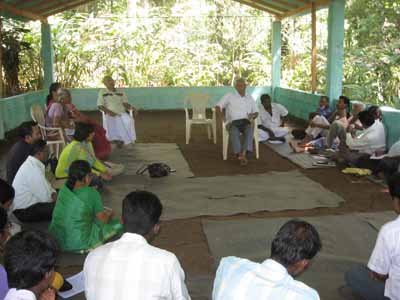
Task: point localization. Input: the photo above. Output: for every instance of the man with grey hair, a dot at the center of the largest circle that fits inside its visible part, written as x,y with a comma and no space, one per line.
114,104
239,110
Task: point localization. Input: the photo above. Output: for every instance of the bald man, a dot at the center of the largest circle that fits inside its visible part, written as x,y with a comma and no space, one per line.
119,125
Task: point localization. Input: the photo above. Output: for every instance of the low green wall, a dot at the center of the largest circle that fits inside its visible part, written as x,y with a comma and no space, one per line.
159,98
15,110
298,103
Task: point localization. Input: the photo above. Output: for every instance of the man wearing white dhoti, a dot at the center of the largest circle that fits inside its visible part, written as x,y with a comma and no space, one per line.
119,125
270,120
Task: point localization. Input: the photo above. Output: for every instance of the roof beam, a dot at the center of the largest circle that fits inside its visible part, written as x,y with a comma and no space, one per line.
305,7
66,7
279,9
286,3
261,7
19,12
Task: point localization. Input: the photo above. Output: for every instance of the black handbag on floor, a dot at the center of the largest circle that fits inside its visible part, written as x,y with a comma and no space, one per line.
155,170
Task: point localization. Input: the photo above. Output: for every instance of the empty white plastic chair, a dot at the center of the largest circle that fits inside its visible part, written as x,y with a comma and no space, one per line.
225,139
198,104
53,135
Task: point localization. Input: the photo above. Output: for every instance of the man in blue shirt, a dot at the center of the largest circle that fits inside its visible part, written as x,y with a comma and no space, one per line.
293,248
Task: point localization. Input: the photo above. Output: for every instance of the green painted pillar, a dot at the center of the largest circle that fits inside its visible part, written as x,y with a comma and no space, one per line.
47,55
335,49
276,55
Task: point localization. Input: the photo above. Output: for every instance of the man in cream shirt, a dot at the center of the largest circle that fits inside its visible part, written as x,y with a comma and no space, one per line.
120,127
131,268
240,110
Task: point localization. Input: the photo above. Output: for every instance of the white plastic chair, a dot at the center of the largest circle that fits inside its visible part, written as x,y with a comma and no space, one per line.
225,139
53,135
198,104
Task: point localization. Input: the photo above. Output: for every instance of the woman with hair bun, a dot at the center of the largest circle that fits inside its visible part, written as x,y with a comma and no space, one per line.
80,222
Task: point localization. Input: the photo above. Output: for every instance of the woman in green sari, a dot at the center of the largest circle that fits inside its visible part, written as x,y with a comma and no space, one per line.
80,222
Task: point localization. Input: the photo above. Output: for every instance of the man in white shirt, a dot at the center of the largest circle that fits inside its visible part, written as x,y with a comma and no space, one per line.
372,140
29,260
130,268
271,118
34,197
294,246
239,110
119,126
381,278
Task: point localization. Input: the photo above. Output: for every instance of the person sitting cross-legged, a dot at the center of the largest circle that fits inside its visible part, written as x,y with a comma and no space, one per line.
380,279
120,127
294,246
131,268
271,127
240,110
34,196
28,134
80,222
29,260
81,148
372,140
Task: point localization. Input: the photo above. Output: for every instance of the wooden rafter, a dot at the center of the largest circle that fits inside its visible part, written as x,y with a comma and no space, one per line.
66,7
286,3
305,7
45,3
279,9
22,13
261,7
48,6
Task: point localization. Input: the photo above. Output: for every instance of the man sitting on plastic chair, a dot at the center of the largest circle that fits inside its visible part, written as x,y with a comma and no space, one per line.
240,111
117,122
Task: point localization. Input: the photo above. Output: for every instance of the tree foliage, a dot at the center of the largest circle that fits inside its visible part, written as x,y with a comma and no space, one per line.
209,42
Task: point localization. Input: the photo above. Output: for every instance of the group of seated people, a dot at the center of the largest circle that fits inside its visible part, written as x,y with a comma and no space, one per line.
354,133
129,267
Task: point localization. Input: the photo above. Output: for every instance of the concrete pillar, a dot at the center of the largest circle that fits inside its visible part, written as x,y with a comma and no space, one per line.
335,49
47,55
276,55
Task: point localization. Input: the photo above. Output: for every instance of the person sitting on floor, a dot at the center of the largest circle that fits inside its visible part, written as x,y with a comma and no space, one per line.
29,260
120,127
293,248
81,149
7,194
372,140
352,125
319,126
324,109
380,279
239,110
148,272
271,124
34,196
389,164
4,236
101,146
80,222
28,134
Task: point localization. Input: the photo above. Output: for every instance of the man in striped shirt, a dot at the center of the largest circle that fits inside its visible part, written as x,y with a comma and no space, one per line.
293,248
131,268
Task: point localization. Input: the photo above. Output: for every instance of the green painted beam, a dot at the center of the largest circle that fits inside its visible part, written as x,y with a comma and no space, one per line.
276,54
335,49
47,55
